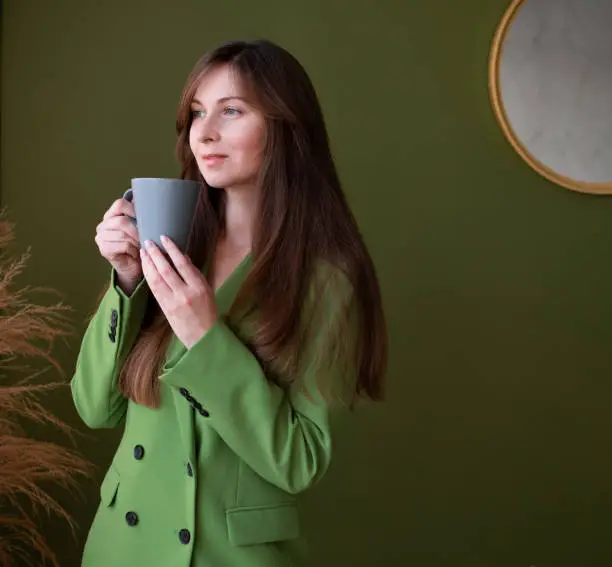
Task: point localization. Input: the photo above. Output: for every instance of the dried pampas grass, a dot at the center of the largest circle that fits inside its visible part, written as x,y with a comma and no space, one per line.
28,331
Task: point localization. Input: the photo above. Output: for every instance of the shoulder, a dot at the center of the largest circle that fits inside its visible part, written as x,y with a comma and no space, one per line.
330,328
330,283
329,299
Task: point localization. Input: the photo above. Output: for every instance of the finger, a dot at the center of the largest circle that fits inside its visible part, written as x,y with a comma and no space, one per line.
156,282
114,209
120,207
112,250
164,267
182,263
106,235
122,223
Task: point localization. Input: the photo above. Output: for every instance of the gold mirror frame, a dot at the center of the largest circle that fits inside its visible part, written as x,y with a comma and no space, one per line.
502,118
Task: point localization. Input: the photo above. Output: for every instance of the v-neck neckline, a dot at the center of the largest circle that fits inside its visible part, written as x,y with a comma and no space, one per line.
227,281
224,296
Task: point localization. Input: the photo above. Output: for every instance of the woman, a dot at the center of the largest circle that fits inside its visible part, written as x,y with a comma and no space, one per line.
224,363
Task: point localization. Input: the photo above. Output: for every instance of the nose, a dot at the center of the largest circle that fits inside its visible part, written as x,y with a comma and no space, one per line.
206,130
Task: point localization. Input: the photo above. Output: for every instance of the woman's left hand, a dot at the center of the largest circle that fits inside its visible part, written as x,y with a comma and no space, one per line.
183,294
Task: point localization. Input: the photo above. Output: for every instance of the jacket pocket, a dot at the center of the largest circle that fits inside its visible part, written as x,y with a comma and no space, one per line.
110,484
262,524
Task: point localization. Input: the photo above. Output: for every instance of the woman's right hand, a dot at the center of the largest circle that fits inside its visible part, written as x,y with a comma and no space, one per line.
117,240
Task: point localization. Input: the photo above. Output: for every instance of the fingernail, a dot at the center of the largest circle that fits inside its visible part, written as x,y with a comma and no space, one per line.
164,238
148,244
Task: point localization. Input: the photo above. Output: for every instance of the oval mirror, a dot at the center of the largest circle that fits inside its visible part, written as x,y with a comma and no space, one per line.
550,79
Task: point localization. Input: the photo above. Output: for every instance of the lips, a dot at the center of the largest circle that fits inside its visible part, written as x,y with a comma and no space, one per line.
212,160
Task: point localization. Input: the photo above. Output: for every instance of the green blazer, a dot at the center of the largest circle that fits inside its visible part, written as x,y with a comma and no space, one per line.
211,477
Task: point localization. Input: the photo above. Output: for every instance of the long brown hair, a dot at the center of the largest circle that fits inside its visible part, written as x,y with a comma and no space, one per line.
303,219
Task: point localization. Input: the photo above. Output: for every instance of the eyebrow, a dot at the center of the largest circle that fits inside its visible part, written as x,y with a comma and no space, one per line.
221,100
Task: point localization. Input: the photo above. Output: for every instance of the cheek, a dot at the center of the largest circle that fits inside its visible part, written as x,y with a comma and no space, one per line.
250,144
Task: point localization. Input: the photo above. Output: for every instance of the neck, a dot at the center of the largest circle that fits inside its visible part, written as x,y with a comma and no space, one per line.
240,210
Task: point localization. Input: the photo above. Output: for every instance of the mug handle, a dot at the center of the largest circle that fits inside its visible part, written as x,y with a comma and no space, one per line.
129,196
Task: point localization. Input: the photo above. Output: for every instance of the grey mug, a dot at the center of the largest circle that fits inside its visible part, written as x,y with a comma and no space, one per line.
164,207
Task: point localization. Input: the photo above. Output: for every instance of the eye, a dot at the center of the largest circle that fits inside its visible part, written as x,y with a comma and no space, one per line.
197,113
231,111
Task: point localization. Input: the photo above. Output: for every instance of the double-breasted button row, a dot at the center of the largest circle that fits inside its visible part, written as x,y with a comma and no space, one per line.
184,535
139,453
112,333
131,517
197,405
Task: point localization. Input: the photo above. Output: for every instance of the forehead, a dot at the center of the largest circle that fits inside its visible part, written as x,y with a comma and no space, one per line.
220,82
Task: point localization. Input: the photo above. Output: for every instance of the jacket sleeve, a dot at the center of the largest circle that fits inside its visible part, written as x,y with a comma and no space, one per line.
282,434
104,347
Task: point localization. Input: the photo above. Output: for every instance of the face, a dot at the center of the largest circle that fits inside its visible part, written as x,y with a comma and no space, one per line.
227,131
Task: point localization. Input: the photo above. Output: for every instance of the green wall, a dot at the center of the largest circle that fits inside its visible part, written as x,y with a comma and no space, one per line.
493,448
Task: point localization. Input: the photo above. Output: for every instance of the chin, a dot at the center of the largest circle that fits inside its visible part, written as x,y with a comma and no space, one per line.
216,185
217,182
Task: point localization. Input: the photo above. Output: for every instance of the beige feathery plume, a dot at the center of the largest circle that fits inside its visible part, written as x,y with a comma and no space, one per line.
27,331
